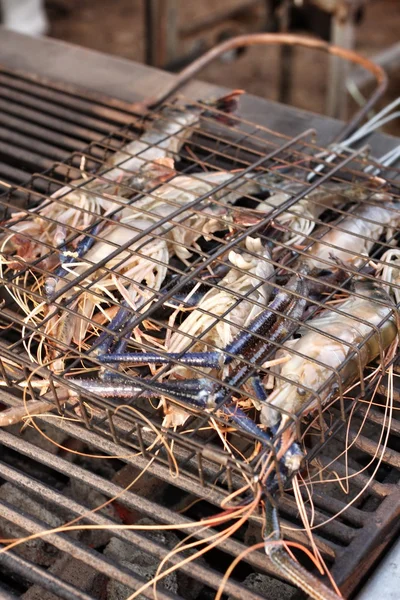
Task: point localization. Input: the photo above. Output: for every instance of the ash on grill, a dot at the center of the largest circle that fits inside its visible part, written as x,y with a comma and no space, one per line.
202,233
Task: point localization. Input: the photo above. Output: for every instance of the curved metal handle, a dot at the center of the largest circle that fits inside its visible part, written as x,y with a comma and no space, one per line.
287,39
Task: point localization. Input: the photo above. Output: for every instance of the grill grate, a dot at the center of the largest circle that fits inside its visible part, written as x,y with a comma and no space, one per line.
205,468
39,124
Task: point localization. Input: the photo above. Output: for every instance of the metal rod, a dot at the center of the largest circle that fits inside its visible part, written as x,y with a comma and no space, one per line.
368,545
41,577
57,124
287,39
120,115
388,59
45,107
80,552
206,575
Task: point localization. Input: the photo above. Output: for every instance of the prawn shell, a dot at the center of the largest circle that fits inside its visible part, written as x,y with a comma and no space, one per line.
318,356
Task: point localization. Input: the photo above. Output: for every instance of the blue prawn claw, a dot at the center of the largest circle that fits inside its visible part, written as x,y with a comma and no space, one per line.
198,393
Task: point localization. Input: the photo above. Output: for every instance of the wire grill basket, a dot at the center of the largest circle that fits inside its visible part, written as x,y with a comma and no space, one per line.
179,250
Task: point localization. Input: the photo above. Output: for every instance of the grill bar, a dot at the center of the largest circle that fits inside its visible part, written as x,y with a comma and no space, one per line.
376,417
79,551
22,141
38,132
24,157
149,508
376,534
53,122
46,580
75,103
390,456
43,106
375,488
203,574
56,124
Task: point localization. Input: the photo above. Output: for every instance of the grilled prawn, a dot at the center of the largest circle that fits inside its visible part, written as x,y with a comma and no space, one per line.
300,220
78,204
179,235
143,261
243,279
353,237
389,271
167,134
322,350
146,260
204,323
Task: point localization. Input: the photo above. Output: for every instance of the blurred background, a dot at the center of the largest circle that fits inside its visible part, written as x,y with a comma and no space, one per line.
169,33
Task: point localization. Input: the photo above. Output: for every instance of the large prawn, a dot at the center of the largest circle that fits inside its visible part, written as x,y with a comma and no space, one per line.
78,204
140,267
243,279
146,260
367,321
351,239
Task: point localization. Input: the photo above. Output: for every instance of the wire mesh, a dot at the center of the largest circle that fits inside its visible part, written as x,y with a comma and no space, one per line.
158,241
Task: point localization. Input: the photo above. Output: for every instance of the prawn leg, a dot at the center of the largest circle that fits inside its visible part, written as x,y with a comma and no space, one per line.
70,257
122,318
195,393
252,345
106,339
292,570
293,456
198,393
193,359
242,345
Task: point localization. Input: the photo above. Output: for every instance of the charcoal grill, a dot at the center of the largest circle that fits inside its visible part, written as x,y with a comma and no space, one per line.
48,130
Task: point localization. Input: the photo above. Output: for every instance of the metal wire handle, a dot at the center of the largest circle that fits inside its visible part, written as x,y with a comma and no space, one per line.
257,39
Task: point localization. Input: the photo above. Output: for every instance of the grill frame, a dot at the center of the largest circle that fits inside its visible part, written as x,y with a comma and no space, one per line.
375,532
274,154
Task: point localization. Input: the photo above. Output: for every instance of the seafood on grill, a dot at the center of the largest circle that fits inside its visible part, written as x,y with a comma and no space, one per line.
167,134
236,361
147,211
100,283
176,236
78,205
129,270
388,270
27,240
367,321
206,216
145,260
250,277
132,262
350,239
300,220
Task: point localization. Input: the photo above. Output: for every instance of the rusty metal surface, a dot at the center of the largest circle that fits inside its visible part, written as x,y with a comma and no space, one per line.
39,124
381,527
203,574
